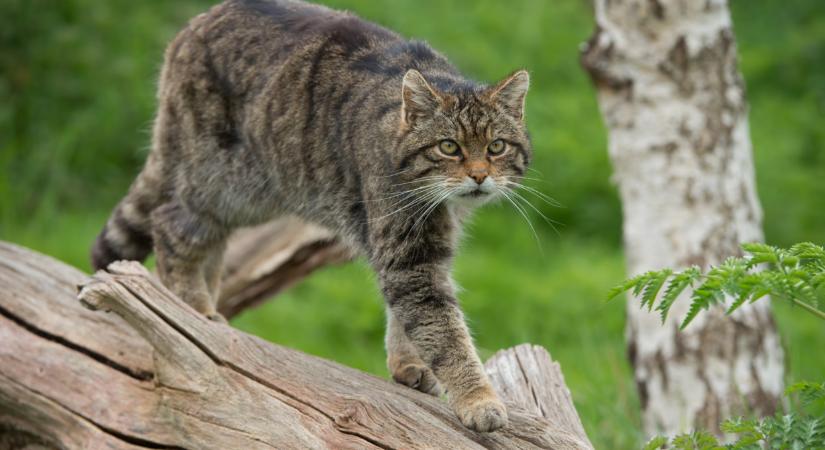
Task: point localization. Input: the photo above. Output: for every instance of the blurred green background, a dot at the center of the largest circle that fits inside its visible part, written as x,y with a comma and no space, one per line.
77,91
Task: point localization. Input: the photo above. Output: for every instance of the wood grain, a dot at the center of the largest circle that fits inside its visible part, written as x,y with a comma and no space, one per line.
152,373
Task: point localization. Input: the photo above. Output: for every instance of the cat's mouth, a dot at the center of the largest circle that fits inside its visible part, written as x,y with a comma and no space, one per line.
474,194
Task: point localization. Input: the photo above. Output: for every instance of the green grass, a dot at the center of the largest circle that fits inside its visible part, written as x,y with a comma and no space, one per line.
514,291
77,80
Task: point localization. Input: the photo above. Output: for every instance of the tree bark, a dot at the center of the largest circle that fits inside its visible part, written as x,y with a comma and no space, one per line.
674,104
155,374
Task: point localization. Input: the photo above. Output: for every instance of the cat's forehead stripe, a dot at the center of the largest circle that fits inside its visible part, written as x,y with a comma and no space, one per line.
473,119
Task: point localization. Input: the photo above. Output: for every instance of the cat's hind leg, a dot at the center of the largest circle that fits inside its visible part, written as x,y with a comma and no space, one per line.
184,243
212,269
403,362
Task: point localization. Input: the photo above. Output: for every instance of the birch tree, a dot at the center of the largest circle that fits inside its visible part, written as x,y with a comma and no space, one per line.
674,104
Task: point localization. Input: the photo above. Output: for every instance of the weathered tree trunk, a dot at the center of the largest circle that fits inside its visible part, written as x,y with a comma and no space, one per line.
674,104
264,260
155,374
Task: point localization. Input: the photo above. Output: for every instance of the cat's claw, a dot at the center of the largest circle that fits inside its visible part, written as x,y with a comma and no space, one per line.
419,377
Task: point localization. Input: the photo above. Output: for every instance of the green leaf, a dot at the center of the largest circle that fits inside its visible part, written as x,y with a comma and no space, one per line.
738,425
747,285
656,443
817,280
761,253
812,432
790,261
637,289
748,433
677,285
654,284
757,247
808,392
703,298
808,250
697,440
796,275
794,430
626,286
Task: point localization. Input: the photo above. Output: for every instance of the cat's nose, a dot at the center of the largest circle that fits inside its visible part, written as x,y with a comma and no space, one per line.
479,176
477,170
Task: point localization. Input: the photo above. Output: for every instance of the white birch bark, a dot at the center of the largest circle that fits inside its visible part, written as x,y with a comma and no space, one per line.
674,104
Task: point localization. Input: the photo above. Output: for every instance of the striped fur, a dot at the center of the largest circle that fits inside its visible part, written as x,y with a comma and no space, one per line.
127,234
275,107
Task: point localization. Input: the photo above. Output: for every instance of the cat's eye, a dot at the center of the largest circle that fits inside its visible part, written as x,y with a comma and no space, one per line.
496,147
448,147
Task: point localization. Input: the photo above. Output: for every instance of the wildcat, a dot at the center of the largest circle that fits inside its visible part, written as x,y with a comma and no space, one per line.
279,107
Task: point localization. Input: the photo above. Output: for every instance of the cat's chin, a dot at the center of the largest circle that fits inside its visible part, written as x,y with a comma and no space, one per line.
472,199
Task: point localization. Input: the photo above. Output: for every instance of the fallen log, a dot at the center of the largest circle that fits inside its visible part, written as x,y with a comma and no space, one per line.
155,374
264,260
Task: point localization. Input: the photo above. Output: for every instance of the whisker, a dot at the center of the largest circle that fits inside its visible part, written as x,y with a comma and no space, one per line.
422,196
524,215
446,194
522,177
418,213
549,221
418,180
432,192
399,194
396,173
546,198
422,201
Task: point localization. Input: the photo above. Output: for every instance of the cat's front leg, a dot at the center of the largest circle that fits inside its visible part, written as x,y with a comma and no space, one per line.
403,362
422,302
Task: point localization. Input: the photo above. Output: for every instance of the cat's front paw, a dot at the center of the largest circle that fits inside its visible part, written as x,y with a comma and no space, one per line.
481,412
419,377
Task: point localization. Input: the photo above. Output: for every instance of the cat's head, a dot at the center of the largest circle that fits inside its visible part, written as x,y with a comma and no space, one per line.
463,144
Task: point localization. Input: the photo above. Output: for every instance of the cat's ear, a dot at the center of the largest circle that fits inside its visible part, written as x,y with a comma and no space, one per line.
418,98
510,93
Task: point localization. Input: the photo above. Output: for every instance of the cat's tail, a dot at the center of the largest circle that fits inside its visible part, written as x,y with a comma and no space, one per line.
128,232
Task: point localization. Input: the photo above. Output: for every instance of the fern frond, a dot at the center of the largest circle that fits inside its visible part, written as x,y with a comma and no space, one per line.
756,248
785,426
811,433
645,279
747,431
739,425
760,253
794,430
747,286
808,250
697,440
654,284
625,286
808,392
677,285
656,443
796,275
703,297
